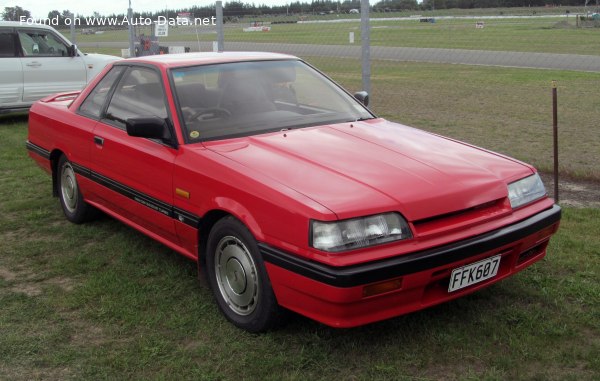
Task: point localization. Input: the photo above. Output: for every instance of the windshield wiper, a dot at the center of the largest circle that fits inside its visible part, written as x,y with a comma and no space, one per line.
363,119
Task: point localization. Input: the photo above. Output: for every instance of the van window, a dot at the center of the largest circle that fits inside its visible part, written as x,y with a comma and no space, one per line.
41,43
7,44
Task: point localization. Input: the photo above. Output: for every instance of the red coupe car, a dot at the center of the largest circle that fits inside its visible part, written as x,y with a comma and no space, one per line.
288,192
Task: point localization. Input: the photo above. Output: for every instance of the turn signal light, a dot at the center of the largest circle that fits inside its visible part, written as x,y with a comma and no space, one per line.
382,287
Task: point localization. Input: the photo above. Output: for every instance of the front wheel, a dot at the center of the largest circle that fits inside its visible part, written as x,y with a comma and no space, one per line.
74,207
238,278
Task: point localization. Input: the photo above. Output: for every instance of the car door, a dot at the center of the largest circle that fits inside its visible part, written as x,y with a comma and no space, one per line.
135,174
11,72
48,67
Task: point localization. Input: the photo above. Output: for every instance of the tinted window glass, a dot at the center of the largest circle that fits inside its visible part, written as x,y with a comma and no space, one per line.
41,43
7,44
92,106
138,94
248,98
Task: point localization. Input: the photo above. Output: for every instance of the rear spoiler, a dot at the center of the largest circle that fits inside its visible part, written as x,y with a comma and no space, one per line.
69,96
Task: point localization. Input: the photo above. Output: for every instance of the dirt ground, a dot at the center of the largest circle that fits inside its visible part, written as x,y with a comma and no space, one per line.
576,193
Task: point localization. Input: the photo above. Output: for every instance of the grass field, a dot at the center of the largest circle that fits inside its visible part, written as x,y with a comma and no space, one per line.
101,301
549,35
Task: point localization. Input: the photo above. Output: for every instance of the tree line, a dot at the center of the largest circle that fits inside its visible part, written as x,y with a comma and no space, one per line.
240,9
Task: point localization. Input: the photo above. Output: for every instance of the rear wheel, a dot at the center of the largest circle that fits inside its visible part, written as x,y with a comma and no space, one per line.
238,278
74,207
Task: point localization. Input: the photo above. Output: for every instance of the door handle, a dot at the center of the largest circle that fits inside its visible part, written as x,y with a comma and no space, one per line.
33,64
98,140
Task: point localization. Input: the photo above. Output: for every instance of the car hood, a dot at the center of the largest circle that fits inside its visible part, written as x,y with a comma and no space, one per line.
97,57
363,168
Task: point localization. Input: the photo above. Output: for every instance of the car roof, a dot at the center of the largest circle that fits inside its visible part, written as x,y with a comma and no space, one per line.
191,59
15,24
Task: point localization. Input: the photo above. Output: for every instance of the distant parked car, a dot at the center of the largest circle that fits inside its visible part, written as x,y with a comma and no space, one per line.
355,11
36,61
287,190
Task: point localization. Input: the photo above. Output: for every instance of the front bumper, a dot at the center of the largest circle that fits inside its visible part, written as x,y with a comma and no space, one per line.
336,295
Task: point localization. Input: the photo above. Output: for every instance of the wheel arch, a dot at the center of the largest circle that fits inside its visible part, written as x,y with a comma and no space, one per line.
54,158
206,224
224,207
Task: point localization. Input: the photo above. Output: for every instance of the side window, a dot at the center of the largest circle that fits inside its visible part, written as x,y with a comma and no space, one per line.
138,94
41,43
7,44
92,106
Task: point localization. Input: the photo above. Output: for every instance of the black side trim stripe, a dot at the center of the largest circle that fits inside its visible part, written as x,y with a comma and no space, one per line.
186,217
143,199
80,170
148,201
38,150
357,275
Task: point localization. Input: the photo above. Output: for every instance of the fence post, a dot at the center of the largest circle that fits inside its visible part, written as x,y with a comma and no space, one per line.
73,29
220,37
131,32
555,138
366,46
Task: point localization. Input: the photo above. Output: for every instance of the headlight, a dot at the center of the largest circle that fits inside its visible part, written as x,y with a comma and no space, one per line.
526,190
359,232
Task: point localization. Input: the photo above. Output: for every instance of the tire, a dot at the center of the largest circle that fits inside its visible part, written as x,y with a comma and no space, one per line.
238,279
74,207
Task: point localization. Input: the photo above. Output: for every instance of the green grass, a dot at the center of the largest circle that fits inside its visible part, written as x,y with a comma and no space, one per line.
101,301
549,35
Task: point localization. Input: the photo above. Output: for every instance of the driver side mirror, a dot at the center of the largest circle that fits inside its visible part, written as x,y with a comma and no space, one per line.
150,128
362,97
72,50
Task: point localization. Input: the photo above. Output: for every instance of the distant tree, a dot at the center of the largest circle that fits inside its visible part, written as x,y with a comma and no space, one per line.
66,14
236,8
53,14
15,13
395,5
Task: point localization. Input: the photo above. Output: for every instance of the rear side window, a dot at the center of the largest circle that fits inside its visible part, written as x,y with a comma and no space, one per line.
93,104
7,44
138,94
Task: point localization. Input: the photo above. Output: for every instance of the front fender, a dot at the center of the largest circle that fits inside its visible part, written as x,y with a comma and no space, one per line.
241,213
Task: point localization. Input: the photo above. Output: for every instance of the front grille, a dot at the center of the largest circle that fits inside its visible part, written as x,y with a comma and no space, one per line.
462,218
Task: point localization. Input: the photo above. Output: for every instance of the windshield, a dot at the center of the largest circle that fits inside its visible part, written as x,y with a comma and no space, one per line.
248,98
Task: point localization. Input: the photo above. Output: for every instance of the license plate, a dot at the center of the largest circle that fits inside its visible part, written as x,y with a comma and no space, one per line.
474,273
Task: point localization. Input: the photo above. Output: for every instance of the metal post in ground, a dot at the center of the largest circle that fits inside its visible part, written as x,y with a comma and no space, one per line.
220,36
366,46
73,29
555,137
130,31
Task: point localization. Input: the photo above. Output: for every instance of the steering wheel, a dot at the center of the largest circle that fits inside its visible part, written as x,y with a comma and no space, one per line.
212,112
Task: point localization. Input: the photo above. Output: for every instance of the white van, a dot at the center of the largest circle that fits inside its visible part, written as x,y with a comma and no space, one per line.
36,61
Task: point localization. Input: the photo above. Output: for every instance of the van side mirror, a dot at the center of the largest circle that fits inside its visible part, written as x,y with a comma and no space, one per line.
149,127
362,97
72,50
